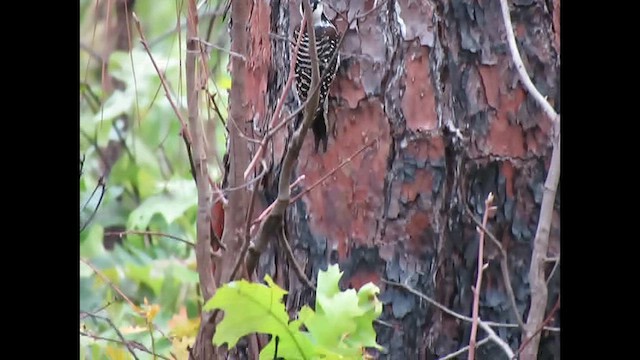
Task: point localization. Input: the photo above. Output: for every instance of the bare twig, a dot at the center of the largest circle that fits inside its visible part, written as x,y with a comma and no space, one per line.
517,60
203,348
218,192
100,185
212,98
207,283
315,88
245,246
239,103
449,311
231,53
496,339
539,291
545,322
485,325
131,343
273,130
481,266
111,285
114,327
246,184
383,323
553,271
278,110
433,302
95,311
91,52
103,70
169,171
284,242
182,25
211,22
158,329
464,349
315,184
93,38
325,176
94,143
92,99
241,134
504,265
275,217
186,135
266,211
247,232
82,159
133,68
342,37
203,256
122,140
151,233
153,340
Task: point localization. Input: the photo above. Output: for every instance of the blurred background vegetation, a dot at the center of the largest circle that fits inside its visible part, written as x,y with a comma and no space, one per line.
137,195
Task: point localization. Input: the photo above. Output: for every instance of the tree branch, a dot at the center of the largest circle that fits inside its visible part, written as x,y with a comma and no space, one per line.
128,343
266,211
114,327
485,325
269,227
315,184
247,229
203,256
186,135
207,14
517,60
325,176
238,148
504,265
94,54
151,233
451,312
284,242
496,339
111,285
100,185
541,241
553,271
94,142
545,322
203,344
276,113
465,349
481,266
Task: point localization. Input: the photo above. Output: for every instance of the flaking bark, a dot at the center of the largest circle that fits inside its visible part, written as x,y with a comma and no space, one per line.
433,82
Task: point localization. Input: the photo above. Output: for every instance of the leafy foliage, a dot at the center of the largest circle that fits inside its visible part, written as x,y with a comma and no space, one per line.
130,141
340,327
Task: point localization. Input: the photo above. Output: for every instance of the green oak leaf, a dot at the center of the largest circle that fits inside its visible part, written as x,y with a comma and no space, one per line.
257,308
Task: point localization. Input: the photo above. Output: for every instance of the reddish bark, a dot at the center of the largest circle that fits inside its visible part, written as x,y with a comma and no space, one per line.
412,74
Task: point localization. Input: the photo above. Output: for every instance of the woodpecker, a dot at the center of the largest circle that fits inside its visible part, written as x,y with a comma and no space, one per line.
327,45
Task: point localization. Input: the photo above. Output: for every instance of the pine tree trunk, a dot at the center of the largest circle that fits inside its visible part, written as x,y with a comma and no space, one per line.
414,75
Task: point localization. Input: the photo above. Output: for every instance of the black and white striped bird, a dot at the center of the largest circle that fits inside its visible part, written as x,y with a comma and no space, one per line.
327,45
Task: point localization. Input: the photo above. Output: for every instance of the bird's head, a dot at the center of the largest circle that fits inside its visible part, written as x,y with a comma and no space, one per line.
316,7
